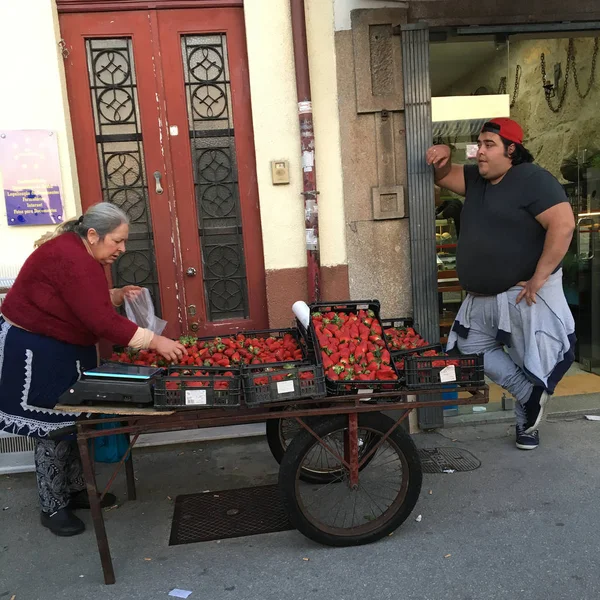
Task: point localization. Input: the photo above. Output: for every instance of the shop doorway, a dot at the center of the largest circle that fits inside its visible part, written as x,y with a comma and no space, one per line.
548,82
160,107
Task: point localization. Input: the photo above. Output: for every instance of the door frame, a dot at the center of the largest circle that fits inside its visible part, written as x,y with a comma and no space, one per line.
83,6
90,182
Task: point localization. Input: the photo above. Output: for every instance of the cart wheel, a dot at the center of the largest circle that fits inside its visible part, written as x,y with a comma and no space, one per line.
279,435
281,432
333,513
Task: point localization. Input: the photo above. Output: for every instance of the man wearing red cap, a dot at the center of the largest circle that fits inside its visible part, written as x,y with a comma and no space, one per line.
516,227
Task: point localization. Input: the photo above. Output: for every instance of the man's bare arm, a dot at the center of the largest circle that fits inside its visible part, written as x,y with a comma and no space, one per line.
447,175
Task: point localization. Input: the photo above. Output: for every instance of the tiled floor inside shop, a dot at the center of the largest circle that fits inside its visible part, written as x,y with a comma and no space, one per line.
576,382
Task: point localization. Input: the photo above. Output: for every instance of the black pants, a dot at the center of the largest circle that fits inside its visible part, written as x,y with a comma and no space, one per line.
59,472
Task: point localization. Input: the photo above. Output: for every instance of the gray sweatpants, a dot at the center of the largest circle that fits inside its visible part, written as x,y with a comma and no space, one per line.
502,366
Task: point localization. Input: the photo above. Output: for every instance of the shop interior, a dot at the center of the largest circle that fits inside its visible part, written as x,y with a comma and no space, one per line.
548,82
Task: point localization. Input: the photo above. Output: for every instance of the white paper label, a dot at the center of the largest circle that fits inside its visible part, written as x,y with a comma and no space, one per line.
448,374
195,397
308,161
174,130
304,107
312,243
285,387
471,150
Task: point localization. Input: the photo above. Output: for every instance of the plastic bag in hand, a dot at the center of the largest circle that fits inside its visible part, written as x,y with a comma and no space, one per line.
140,310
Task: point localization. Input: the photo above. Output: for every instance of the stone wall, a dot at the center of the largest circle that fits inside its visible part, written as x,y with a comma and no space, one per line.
550,136
373,157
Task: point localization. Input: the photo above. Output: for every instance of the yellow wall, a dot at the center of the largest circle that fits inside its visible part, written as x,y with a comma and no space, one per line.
33,96
276,130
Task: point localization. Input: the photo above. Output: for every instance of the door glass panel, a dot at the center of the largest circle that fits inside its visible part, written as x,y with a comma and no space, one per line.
119,140
210,119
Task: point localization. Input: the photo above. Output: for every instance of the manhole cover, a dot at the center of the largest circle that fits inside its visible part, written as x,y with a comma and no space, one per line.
440,460
230,513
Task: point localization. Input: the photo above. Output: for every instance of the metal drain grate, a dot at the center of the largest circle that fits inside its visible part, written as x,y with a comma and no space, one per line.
440,460
228,514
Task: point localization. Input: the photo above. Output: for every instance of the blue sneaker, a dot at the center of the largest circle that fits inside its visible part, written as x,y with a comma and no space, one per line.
534,408
527,441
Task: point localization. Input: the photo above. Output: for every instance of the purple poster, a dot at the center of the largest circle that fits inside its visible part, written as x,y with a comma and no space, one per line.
30,176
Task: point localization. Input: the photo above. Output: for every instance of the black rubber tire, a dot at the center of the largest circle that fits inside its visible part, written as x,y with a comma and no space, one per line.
274,439
291,470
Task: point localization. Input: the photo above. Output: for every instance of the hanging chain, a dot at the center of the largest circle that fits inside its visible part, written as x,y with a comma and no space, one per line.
592,72
515,94
571,64
516,88
502,86
548,87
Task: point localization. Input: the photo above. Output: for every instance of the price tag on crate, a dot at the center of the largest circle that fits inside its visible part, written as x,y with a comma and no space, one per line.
195,397
285,387
448,374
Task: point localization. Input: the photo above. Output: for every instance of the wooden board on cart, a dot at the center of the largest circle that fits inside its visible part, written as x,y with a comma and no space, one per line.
112,409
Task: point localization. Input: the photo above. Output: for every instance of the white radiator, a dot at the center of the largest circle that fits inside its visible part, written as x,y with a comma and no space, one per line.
16,454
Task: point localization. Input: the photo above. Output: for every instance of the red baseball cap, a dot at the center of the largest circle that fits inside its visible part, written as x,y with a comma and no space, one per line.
506,128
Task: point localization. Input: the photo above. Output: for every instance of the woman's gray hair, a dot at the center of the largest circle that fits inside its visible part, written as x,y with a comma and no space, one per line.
103,217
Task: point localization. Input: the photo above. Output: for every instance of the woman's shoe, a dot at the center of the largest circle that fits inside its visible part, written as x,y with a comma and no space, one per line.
63,522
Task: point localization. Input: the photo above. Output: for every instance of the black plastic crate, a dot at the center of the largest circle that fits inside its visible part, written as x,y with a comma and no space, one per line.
399,322
348,386
399,355
459,370
403,323
180,387
282,381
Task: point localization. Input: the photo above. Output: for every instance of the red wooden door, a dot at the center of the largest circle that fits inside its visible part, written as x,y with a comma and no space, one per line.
162,127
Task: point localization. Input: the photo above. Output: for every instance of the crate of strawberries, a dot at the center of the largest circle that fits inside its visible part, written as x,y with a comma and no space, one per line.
208,387
350,345
234,351
283,381
437,371
403,341
214,364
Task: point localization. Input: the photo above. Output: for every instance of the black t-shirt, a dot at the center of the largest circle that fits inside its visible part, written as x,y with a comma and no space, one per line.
501,242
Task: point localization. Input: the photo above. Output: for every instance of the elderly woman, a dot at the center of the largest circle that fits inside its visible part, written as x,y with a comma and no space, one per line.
52,318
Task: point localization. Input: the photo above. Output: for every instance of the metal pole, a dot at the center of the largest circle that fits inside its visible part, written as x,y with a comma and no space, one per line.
307,144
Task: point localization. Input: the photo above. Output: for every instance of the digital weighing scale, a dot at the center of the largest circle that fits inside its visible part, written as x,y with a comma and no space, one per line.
113,383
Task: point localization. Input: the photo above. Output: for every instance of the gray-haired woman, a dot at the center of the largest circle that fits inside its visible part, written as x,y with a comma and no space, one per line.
52,318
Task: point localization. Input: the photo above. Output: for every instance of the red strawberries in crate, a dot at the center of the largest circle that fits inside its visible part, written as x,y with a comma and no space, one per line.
206,379
275,374
231,351
352,347
404,338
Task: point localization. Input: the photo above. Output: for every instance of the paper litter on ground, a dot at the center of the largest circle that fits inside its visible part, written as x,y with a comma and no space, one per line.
177,593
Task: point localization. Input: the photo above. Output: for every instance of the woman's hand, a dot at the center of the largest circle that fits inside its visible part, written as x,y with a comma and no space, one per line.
169,349
118,295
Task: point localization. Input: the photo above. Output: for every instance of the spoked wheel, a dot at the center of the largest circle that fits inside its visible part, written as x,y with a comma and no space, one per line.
332,512
320,469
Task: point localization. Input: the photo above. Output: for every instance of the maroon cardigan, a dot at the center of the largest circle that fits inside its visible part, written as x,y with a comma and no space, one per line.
61,292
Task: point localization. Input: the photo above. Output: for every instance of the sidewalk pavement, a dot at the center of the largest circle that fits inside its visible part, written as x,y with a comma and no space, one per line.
524,525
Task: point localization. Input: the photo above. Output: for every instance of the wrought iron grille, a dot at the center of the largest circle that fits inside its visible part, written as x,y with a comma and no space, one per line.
113,86
210,118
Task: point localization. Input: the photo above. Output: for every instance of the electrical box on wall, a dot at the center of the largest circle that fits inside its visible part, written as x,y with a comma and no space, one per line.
280,172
